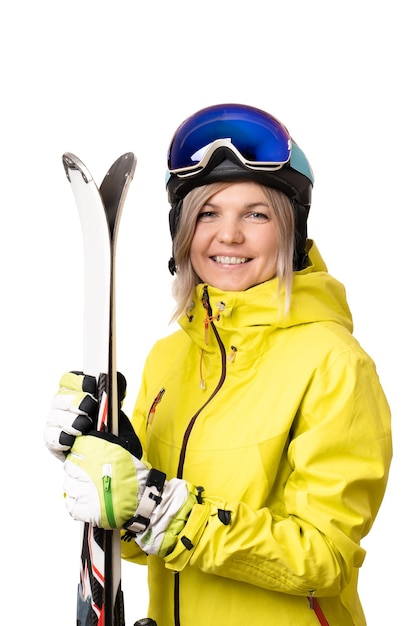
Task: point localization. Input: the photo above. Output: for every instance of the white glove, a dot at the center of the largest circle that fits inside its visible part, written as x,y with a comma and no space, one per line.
73,412
108,486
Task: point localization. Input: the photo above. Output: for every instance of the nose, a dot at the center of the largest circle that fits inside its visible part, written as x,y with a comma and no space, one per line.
230,231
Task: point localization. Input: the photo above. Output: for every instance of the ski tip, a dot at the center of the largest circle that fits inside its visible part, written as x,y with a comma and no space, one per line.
123,166
130,158
130,163
72,162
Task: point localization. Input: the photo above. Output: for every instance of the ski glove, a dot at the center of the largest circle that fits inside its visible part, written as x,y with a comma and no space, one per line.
74,411
109,487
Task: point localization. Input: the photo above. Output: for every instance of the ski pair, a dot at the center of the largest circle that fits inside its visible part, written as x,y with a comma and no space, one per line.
100,596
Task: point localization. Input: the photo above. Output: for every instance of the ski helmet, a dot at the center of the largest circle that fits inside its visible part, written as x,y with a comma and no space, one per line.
234,142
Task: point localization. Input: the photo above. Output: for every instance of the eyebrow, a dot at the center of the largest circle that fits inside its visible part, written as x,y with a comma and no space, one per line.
250,205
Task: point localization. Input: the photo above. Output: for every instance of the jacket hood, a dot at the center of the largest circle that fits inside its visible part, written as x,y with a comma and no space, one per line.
316,296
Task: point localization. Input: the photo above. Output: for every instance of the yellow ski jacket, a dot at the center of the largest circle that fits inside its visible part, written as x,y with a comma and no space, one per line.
282,419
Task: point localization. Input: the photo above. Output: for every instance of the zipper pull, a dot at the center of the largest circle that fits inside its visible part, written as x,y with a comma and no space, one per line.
106,473
205,298
206,305
206,330
232,354
157,400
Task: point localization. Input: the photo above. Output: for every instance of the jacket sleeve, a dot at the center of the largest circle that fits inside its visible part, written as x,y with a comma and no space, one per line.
339,452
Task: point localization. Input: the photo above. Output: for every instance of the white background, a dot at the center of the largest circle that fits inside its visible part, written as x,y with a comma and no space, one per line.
101,78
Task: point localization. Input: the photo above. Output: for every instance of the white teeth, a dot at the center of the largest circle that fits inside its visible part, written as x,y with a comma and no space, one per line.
230,260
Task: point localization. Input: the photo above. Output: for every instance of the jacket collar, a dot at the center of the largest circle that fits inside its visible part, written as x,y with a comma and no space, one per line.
316,296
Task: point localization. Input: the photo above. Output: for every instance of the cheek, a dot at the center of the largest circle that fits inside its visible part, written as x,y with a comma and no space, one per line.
271,259
271,248
196,251
199,242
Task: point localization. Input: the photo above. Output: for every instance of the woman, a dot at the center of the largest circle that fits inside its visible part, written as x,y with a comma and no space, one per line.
264,417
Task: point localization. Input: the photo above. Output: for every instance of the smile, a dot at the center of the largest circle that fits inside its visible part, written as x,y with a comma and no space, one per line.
230,260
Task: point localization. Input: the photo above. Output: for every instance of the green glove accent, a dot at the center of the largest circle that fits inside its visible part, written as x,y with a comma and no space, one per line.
109,487
104,481
169,534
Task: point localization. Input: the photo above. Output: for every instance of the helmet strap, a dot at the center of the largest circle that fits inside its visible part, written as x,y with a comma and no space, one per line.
300,254
174,219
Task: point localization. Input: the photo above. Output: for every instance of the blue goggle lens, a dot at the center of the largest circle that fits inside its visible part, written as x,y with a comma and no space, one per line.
260,140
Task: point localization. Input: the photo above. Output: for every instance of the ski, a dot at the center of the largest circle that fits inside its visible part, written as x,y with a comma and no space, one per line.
99,593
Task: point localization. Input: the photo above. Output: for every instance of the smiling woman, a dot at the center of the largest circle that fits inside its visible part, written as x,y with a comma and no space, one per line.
265,431
234,236
235,244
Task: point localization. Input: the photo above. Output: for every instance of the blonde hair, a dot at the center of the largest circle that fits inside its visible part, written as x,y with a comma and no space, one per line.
186,278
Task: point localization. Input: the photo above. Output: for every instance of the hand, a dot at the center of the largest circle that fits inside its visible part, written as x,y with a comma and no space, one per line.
108,486
73,412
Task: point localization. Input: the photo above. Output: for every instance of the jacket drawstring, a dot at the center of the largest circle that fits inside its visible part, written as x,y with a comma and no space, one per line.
202,381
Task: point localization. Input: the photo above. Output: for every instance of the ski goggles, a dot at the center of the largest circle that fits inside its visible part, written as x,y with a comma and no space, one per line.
257,139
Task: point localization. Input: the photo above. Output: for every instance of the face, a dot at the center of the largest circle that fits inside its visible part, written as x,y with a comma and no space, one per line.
235,244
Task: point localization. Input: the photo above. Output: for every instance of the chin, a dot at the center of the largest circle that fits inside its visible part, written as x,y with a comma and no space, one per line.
225,285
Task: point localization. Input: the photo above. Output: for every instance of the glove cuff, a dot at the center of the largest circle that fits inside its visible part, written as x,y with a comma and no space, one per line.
150,499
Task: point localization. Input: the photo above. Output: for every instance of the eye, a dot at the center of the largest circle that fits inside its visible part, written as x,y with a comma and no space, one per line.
258,216
205,215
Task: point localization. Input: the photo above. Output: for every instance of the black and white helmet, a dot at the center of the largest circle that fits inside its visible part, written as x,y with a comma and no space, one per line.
234,142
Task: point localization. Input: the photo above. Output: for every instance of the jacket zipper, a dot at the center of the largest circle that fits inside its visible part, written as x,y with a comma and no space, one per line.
106,477
207,306
315,606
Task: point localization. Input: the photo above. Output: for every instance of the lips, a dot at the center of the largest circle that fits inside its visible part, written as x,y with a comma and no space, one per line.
230,260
